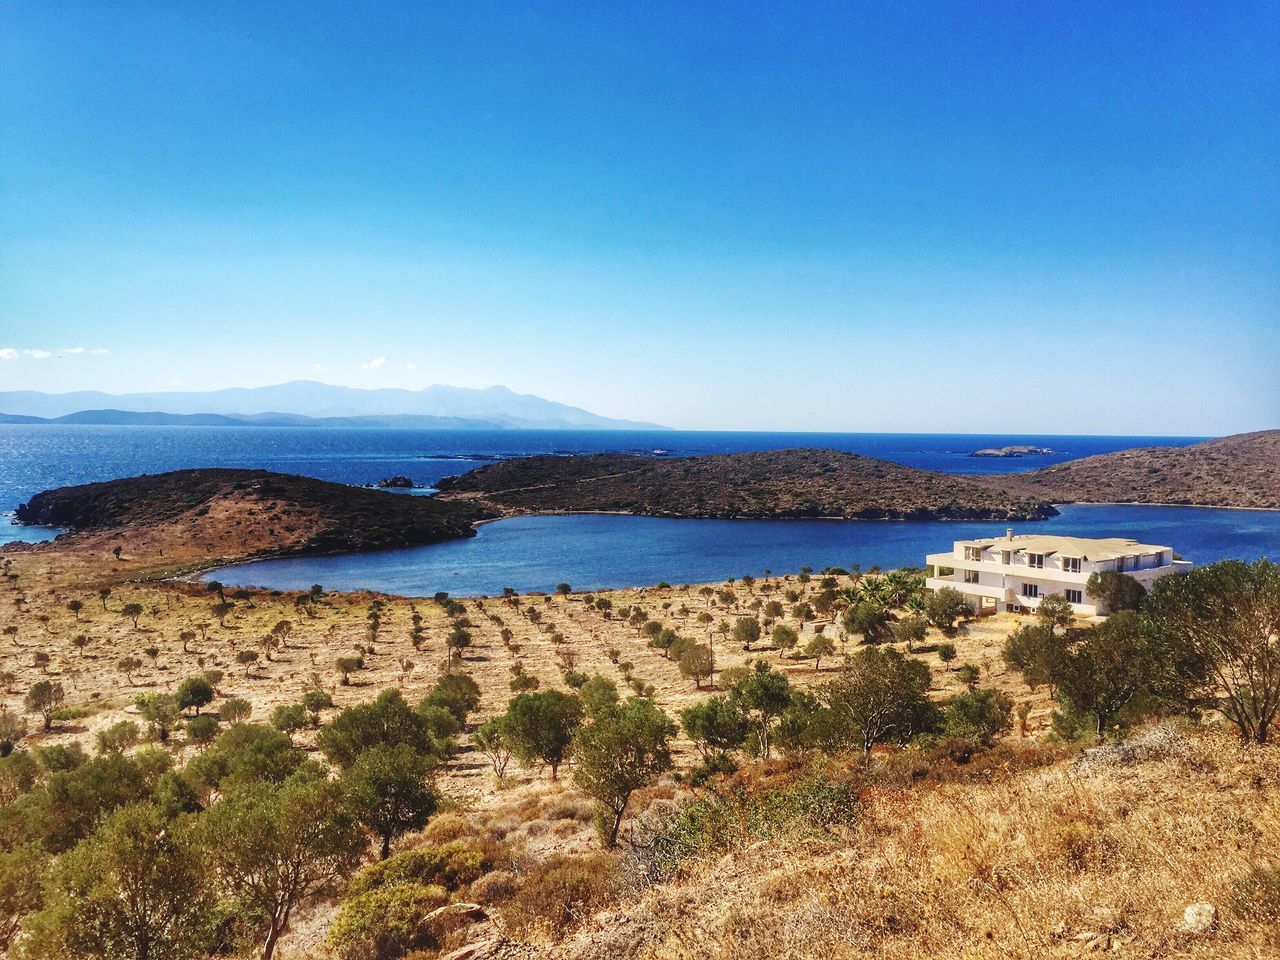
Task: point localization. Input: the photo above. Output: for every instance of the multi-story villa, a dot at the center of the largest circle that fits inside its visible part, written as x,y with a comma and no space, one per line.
1016,573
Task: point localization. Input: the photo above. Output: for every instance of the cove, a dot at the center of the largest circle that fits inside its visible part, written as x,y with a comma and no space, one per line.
598,552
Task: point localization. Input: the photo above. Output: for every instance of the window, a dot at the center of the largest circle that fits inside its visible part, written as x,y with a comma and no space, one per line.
1075,596
1031,590
1006,557
1071,565
973,553
971,576
1035,560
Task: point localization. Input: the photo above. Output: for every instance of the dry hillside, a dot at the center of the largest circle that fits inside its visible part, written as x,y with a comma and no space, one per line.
775,484
1237,471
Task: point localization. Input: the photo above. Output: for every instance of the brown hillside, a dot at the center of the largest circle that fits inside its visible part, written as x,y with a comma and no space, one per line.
781,484
1237,471
215,514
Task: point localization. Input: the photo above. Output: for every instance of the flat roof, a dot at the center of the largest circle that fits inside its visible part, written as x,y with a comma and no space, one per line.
1087,548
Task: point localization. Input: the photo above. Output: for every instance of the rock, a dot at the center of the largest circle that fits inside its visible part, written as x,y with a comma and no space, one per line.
398,482
1199,919
472,951
469,911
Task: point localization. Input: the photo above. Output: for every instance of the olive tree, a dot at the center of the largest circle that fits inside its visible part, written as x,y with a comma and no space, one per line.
541,726
390,791
1222,626
880,696
273,846
617,754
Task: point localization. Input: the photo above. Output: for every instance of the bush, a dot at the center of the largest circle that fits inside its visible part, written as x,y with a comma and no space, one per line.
496,886
386,923
450,866
561,891
1256,896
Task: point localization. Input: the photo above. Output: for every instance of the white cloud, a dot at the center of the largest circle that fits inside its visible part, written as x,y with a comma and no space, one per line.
8,353
377,363
99,351
38,354
72,350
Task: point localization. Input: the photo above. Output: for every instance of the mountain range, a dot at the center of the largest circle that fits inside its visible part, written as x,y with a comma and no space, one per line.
312,404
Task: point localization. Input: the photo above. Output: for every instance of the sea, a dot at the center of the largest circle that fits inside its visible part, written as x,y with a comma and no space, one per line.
592,552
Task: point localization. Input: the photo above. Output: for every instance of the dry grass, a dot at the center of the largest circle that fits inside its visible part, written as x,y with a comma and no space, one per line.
1052,863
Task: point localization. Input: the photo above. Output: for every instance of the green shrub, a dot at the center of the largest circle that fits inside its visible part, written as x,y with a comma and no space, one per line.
722,821
450,866
386,923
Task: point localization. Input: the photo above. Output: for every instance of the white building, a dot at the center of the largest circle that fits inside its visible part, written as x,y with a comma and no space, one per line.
1016,573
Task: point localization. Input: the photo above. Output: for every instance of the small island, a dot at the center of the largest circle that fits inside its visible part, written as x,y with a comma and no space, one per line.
1016,450
398,482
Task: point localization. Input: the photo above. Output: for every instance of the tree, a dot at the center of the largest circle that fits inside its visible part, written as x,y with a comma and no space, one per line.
762,695
18,895
132,611
457,640
234,710
784,637
80,641
541,726
696,663
457,693
599,696
201,730
75,606
947,653
1054,613
313,701
820,646
867,618
563,589
617,754
746,631
978,715
1221,624
347,666
1114,591
161,711
44,698
274,846
118,737
491,739
389,789
1114,669
716,726
136,889
194,692
289,718
12,729
1034,652
880,696
129,666
385,721
945,606
247,658
911,630
103,594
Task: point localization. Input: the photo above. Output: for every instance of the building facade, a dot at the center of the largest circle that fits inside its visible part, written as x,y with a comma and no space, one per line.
1014,573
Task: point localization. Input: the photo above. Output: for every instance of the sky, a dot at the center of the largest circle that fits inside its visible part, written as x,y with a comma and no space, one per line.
961,217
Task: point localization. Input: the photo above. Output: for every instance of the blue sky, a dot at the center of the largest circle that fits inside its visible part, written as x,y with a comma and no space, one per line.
944,217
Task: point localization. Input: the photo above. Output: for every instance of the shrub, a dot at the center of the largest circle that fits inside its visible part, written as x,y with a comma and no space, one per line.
496,886
450,866
201,729
1256,896
561,891
386,923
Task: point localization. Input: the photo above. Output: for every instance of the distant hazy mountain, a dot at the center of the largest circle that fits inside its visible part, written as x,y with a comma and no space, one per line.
304,402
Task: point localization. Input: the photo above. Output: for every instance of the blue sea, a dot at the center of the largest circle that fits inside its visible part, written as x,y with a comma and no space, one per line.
591,552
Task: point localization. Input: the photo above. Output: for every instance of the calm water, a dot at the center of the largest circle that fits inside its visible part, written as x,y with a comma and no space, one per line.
596,552
34,458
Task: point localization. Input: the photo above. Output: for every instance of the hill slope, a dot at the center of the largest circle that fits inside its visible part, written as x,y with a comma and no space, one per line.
1237,471
776,484
235,513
